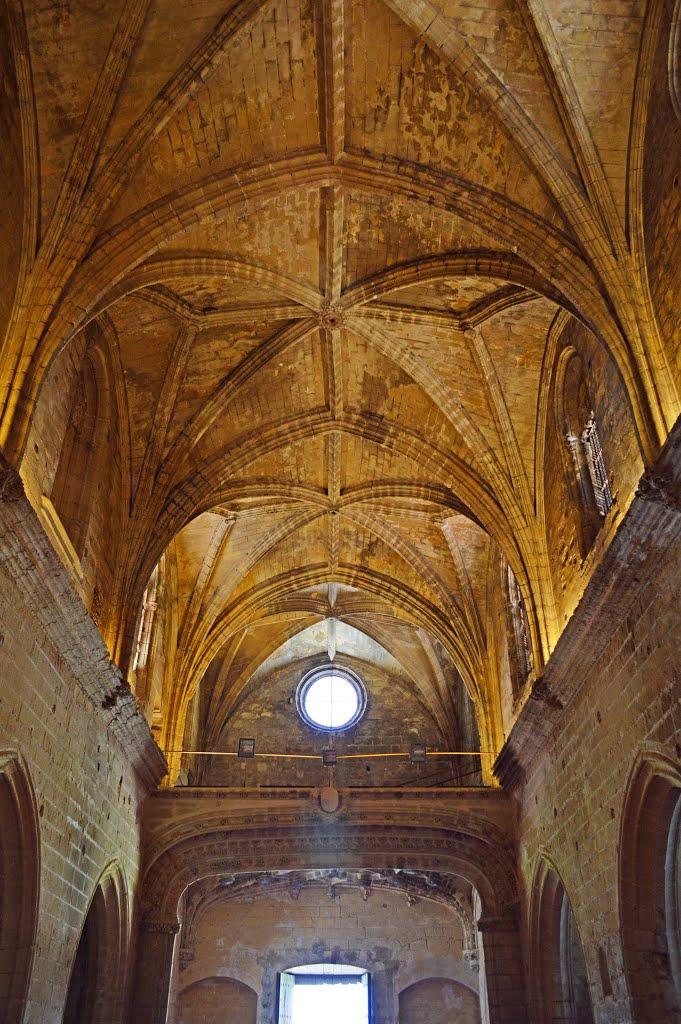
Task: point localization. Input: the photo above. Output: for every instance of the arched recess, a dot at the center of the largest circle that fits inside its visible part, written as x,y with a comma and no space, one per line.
19,883
216,1000
439,1001
573,409
578,378
561,985
655,151
650,888
518,635
96,987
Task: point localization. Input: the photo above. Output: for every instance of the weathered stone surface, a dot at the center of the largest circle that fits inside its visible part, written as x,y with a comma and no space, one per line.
339,331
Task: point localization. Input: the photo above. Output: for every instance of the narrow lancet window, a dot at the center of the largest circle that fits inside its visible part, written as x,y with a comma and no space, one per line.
522,649
146,624
595,462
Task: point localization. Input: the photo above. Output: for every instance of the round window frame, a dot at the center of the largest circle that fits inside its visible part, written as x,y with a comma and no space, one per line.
319,672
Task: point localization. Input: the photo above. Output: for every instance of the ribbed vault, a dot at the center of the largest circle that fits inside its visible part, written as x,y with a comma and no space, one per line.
329,253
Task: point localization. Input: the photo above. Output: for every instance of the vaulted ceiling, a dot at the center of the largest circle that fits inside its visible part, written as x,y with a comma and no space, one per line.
329,243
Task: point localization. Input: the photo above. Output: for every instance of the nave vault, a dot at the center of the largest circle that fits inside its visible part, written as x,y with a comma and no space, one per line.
340,510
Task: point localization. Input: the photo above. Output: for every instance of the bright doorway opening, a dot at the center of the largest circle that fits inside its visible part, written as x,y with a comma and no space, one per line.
328,993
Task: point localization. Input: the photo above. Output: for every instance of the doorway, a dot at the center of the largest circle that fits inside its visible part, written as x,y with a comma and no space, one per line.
332,993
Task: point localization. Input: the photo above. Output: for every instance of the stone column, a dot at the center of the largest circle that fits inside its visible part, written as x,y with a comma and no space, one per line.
153,972
504,982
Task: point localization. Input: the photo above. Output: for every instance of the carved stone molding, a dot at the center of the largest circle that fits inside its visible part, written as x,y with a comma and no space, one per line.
471,957
509,921
11,484
508,768
660,487
172,815
331,316
540,691
488,867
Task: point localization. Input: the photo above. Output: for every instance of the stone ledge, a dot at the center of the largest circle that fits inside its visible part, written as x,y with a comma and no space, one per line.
73,642
635,558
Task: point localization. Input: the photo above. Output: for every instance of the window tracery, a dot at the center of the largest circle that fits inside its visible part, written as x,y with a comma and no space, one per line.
146,623
577,424
595,462
521,660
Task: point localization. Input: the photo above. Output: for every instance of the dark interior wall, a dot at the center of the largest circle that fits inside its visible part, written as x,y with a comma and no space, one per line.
394,719
11,173
572,800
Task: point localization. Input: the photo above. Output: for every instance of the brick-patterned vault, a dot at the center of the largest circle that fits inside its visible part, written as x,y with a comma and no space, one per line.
332,331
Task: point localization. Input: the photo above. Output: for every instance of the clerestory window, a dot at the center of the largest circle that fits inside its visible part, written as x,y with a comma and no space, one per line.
593,453
146,623
331,698
521,649
589,484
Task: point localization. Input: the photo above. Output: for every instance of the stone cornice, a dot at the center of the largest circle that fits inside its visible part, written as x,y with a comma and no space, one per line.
636,557
71,637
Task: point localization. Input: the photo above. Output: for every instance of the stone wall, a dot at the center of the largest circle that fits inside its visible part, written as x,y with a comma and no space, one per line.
77,756
572,557
610,697
97,486
394,718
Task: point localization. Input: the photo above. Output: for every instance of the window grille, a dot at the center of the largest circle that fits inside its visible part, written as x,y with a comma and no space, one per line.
146,623
596,465
521,630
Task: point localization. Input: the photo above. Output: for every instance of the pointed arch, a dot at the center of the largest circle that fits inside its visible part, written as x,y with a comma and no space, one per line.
19,882
561,986
96,988
650,887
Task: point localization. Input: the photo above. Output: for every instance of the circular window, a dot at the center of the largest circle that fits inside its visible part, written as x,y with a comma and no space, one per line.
330,698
